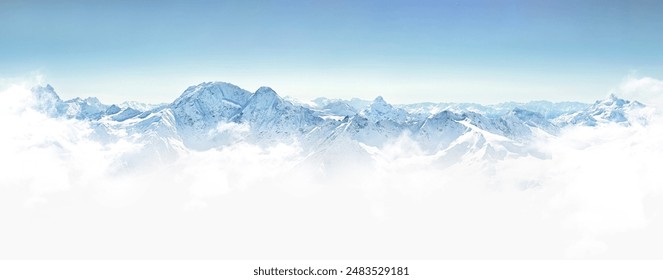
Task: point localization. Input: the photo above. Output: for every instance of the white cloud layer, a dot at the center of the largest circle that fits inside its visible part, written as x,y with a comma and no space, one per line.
644,89
65,195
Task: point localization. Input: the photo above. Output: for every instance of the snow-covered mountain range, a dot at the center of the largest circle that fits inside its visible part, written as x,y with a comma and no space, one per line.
216,114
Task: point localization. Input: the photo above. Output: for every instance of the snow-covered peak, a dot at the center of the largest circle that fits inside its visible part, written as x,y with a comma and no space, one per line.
113,109
380,105
202,106
267,113
266,90
610,110
88,108
214,92
379,99
611,101
46,100
263,98
45,92
613,104
266,93
380,110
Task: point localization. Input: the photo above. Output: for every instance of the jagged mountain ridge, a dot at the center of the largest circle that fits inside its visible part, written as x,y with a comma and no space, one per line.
214,114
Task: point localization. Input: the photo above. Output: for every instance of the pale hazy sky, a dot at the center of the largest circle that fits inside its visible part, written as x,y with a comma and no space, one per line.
406,51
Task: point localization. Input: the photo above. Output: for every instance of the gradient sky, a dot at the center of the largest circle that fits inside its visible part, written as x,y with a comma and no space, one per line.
406,51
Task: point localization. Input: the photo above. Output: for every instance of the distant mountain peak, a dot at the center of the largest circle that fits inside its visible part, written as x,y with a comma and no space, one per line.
266,91
612,100
215,84
215,91
264,96
380,105
45,92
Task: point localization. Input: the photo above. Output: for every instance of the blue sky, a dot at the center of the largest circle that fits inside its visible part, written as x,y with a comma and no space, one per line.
406,51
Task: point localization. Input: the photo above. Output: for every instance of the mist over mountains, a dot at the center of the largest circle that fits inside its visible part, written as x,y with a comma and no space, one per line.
222,172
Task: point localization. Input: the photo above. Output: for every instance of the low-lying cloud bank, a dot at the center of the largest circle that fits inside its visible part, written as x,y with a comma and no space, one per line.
64,194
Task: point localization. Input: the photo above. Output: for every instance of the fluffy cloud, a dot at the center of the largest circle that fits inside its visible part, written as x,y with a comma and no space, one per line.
644,89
